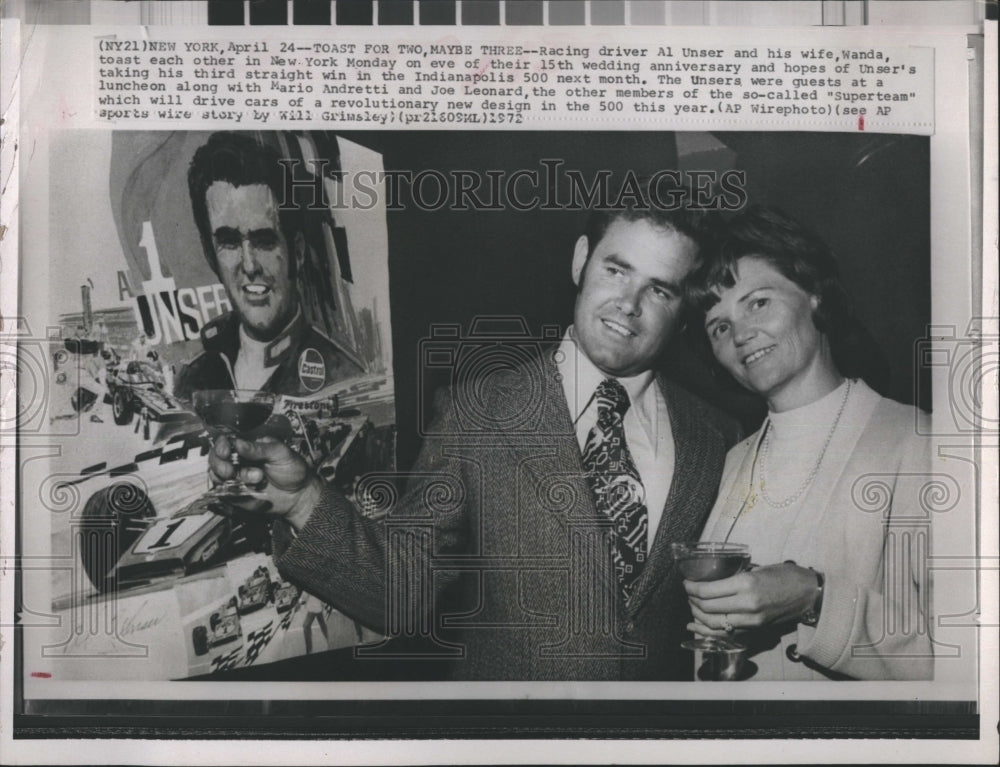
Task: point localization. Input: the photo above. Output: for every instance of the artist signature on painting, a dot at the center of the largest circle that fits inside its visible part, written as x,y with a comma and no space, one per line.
94,640
133,624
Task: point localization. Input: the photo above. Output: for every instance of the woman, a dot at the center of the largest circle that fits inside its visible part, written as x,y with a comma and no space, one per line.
827,492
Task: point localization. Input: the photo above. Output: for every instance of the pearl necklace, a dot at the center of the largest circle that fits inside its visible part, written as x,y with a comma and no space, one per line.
766,447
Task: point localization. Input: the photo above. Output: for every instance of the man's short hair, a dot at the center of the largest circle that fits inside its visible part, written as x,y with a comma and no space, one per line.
242,161
662,204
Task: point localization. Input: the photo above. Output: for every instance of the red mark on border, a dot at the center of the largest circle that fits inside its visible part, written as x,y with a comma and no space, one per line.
41,675
861,122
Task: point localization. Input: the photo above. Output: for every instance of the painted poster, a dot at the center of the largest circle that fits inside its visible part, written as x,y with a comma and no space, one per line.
165,335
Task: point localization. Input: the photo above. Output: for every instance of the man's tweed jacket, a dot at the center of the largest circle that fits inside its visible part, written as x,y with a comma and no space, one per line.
498,508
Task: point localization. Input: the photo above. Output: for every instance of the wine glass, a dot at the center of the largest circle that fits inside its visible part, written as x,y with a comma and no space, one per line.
235,413
711,561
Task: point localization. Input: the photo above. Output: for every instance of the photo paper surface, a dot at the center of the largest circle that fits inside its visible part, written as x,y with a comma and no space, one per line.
435,184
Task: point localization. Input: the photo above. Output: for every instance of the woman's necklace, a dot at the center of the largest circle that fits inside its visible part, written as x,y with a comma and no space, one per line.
765,450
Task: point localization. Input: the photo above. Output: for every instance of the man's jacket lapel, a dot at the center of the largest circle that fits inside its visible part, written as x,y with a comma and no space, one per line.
692,493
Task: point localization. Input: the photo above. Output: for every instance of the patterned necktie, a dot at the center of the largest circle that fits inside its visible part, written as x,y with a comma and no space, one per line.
615,482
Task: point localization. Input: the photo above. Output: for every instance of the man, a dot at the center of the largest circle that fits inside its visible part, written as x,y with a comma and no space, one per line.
256,246
562,568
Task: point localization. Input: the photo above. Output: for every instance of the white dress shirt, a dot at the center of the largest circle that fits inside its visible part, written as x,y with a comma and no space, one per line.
647,423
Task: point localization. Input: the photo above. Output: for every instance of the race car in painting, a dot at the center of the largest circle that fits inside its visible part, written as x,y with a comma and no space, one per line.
138,387
174,546
184,537
151,548
285,596
223,626
256,591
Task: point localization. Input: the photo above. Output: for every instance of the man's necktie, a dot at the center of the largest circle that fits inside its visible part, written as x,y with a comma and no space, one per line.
614,480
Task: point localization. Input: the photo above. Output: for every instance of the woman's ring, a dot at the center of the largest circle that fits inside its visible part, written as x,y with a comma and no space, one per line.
727,626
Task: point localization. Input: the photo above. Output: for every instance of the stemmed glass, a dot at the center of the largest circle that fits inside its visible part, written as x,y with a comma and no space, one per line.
711,561
235,413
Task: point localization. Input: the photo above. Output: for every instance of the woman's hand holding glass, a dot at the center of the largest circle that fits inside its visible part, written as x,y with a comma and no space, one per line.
750,599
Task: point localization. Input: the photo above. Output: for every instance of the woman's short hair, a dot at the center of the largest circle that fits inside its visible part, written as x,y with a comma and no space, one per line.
798,254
